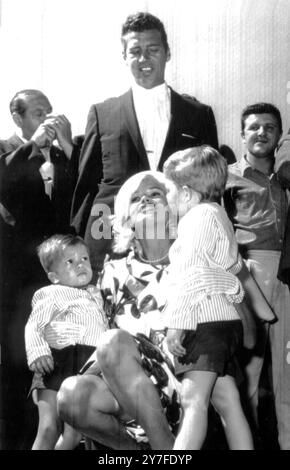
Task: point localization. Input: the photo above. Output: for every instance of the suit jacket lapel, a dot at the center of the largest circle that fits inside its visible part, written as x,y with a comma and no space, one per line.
132,124
15,141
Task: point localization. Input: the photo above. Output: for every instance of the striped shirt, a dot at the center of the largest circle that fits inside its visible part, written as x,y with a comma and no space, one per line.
203,262
63,316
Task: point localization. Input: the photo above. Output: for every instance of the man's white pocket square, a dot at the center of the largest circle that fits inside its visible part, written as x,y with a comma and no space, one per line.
189,136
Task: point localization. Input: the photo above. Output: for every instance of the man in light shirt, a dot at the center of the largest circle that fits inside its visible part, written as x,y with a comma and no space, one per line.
257,204
134,132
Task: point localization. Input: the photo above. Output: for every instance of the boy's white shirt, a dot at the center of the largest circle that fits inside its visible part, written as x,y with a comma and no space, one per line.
203,262
63,316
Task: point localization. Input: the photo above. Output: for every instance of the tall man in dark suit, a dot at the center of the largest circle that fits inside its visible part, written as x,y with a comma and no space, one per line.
36,186
134,132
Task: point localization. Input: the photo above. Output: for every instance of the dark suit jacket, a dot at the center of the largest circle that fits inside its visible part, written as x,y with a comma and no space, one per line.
11,144
22,189
27,214
113,149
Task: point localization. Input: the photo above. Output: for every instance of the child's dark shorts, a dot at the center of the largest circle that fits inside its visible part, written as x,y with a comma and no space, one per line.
67,362
212,347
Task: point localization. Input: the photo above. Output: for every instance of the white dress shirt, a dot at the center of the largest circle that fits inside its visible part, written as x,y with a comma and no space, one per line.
153,115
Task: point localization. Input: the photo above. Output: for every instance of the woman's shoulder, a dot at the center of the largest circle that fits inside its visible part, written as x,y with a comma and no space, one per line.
122,264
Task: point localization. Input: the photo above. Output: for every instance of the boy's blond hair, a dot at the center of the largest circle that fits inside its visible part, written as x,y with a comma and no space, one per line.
202,168
51,250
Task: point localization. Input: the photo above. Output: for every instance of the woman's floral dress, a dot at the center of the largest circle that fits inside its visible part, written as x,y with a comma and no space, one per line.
134,294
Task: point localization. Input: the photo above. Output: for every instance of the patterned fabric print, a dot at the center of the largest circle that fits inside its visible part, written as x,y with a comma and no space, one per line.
160,370
134,294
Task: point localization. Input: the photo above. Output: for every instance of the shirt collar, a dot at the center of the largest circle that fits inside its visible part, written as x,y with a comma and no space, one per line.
246,167
160,91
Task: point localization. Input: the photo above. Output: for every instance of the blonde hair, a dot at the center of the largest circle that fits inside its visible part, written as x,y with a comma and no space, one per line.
51,250
202,168
124,236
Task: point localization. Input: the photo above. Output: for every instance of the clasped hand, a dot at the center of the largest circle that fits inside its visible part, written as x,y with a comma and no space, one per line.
54,127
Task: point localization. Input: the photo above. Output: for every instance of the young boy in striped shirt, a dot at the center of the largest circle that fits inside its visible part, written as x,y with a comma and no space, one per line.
62,331
204,328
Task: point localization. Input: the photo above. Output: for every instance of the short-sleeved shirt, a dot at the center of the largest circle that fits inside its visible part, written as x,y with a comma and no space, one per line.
257,206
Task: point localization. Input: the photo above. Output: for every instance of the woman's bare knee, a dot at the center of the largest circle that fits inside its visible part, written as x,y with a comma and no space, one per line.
72,398
112,347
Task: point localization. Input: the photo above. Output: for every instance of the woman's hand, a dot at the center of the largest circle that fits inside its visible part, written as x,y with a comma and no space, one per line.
173,339
42,365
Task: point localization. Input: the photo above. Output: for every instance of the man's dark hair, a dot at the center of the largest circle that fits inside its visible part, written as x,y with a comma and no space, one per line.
18,104
261,108
143,21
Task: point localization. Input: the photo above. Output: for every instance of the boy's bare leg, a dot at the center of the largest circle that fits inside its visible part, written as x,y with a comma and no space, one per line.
226,400
49,424
196,390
